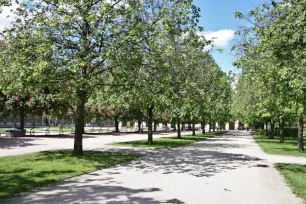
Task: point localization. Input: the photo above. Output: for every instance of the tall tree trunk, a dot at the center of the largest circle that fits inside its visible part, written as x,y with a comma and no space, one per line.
262,126
22,117
150,121
272,134
79,125
266,130
214,126
174,126
155,126
116,124
203,127
193,129
209,129
281,130
139,126
179,135
300,136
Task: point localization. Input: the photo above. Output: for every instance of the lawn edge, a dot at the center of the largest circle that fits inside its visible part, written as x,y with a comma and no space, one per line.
292,188
54,183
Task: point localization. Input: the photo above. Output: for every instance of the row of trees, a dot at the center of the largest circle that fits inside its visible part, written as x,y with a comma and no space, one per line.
122,59
271,50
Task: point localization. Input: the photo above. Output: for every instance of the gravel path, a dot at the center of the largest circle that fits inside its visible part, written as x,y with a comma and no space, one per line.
18,146
230,169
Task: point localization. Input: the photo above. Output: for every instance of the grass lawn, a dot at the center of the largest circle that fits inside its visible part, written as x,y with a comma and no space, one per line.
25,172
272,146
295,176
165,142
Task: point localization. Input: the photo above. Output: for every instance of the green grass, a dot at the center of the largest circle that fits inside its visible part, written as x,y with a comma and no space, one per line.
272,146
295,176
165,142
25,172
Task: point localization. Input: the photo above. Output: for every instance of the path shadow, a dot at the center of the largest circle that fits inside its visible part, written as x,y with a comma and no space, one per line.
203,159
10,143
70,192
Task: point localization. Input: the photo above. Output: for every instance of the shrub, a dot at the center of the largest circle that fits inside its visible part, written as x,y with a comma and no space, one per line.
289,132
259,132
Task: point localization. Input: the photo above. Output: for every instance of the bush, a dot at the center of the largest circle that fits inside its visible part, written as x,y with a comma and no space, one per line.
289,132
259,132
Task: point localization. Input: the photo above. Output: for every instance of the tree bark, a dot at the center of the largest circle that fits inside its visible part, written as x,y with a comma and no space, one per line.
209,129
300,136
281,130
139,126
203,127
116,124
150,121
79,125
193,129
179,135
266,130
155,126
22,117
174,126
272,134
214,126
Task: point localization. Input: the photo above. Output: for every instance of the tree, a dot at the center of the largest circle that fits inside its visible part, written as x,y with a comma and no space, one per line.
271,50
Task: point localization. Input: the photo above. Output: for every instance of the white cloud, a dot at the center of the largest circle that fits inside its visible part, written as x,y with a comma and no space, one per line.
221,37
7,11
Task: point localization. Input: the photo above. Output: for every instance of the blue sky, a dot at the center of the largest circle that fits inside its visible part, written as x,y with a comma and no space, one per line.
217,18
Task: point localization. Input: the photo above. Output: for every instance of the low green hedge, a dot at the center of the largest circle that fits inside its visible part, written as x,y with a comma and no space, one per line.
289,132
260,132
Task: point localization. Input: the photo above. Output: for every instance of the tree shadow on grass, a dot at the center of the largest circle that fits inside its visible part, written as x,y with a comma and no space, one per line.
295,168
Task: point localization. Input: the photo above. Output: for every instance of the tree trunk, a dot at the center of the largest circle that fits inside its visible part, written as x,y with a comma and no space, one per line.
179,136
203,127
267,131
300,136
22,117
174,126
281,130
214,126
155,126
139,126
209,129
150,121
79,125
272,134
193,129
116,124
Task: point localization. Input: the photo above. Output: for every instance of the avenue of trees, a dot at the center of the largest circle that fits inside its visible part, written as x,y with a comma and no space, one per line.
271,49
92,60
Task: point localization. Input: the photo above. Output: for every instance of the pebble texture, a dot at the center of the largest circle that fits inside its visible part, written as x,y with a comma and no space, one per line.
229,169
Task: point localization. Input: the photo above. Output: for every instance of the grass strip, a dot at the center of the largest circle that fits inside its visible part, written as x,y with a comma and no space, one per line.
295,177
165,142
25,172
272,146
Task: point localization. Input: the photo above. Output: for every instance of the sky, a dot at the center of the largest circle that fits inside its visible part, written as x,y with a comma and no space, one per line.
217,18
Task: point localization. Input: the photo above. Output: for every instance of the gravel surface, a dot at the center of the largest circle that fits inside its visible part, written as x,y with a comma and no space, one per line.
229,169
17,146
